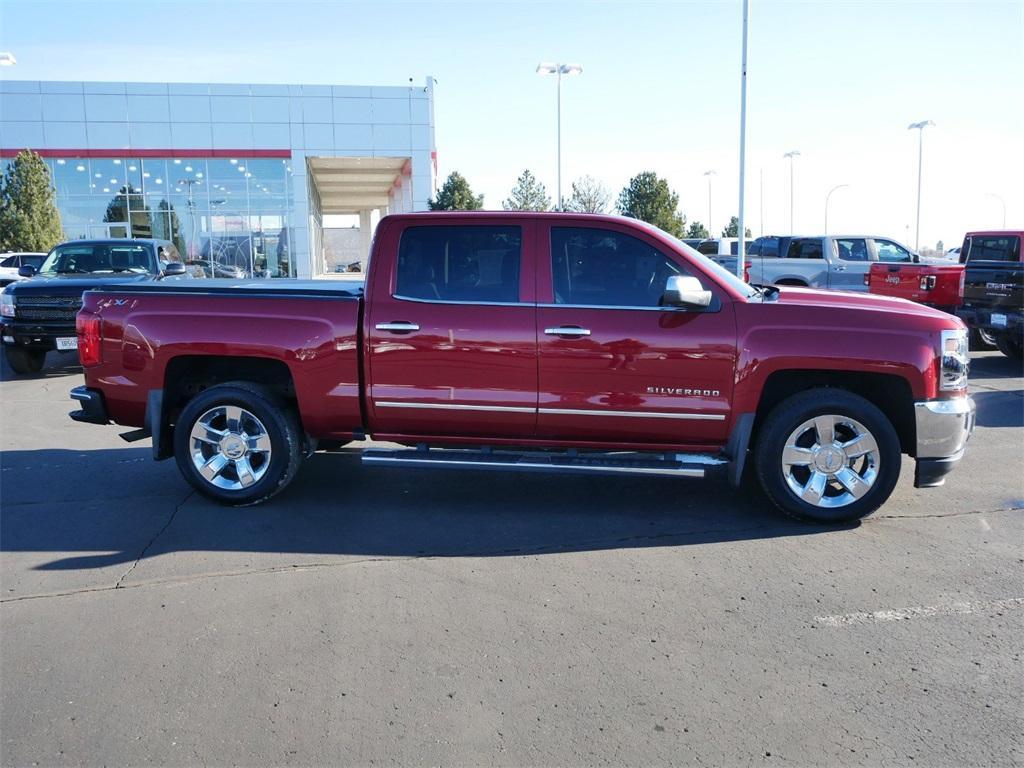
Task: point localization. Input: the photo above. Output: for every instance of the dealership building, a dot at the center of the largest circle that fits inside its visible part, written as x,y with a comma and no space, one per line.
239,175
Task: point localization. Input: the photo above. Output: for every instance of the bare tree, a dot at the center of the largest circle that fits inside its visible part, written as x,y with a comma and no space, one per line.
589,196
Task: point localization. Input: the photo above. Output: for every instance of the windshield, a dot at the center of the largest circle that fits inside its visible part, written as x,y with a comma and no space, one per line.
717,269
97,258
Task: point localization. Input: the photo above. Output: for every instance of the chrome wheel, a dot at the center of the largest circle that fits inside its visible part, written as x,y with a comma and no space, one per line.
830,461
230,447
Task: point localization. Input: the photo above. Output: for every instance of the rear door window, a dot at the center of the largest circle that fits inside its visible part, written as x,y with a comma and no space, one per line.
891,252
10,262
708,248
805,248
853,249
995,248
459,264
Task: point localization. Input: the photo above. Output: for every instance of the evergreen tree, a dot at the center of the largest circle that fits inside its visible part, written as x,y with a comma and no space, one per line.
589,196
456,195
649,199
29,220
527,195
734,227
175,234
696,229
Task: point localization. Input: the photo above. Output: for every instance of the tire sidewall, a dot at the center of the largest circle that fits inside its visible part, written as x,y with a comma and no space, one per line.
25,361
796,410
281,431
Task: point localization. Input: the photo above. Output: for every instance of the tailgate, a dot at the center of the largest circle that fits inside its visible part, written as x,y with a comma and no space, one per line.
995,285
900,280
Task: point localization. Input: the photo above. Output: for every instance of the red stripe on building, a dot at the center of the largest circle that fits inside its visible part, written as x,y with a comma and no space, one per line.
154,153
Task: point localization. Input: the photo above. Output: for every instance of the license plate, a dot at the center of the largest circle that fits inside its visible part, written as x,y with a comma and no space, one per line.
999,320
67,342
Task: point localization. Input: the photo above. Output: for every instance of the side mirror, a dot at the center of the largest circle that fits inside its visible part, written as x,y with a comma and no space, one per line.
26,270
685,291
173,269
916,258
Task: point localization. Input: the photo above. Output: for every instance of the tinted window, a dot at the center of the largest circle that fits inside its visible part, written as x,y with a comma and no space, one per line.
33,261
459,263
10,261
99,257
852,249
708,248
807,248
768,247
890,251
1004,248
598,267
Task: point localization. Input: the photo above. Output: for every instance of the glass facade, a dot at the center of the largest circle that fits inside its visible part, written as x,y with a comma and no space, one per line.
230,216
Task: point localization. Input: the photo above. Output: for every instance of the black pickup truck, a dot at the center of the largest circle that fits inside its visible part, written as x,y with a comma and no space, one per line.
38,315
994,287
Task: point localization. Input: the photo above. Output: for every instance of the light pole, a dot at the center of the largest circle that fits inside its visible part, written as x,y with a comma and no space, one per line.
920,152
709,174
827,197
791,154
545,68
1001,202
741,258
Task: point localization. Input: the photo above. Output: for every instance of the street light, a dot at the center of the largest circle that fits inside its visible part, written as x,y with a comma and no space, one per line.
827,197
920,150
7,59
1002,202
709,174
791,154
546,68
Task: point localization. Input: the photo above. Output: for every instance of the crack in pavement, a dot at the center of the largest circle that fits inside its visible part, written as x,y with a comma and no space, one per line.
145,549
518,551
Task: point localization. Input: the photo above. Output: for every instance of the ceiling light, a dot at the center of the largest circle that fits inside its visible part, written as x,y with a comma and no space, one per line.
99,175
61,162
199,175
247,175
188,168
132,168
234,162
106,189
79,167
113,181
145,174
159,181
177,162
117,162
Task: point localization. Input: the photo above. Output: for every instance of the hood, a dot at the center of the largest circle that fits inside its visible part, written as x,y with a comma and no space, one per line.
67,285
848,300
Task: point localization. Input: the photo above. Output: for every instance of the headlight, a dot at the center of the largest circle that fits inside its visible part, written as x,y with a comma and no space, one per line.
6,304
955,361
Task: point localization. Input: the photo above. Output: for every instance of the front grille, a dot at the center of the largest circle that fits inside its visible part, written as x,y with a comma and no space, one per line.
47,307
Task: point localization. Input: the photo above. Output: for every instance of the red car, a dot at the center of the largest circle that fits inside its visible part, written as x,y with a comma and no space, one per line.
534,342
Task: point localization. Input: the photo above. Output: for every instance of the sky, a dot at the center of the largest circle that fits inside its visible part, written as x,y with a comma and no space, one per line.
660,90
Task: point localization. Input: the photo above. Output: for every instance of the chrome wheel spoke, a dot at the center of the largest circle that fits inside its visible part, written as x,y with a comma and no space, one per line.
815,488
212,467
861,445
852,482
795,456
825,429
245,474
258,443
233,416
204,433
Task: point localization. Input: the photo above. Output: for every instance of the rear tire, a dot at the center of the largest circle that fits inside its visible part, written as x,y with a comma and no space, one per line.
25,361
827,456
238,443
1010,346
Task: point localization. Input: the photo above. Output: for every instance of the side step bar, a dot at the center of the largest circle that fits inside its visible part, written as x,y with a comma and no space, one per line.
667,464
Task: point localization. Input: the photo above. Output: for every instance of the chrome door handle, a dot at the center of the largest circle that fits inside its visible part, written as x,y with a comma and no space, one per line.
567,330
398,326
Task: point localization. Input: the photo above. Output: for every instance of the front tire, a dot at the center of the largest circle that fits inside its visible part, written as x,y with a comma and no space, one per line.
238,444
1010,346
827,456
25,361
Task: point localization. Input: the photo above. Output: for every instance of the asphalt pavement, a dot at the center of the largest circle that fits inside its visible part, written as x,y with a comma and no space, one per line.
401,617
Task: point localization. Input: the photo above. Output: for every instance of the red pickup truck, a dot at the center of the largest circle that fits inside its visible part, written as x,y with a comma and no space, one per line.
537,342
